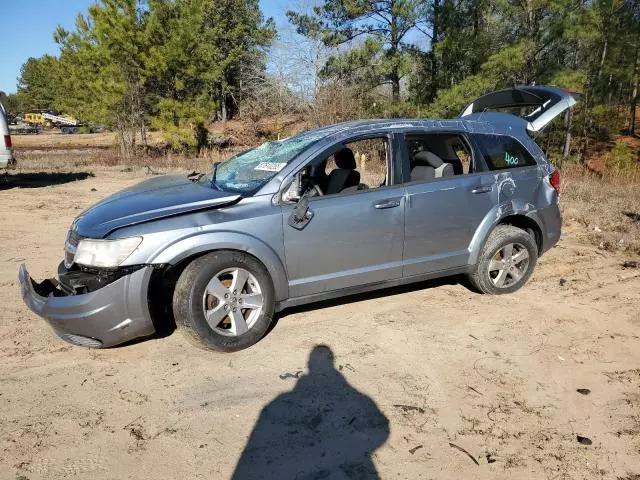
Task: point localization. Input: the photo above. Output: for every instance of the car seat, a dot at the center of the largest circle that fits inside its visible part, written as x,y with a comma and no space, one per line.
427,166
345,175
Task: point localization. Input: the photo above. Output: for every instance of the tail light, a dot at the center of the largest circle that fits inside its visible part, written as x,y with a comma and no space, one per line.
554,180
7,141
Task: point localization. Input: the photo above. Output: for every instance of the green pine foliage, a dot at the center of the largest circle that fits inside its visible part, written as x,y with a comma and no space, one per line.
175,65
178,65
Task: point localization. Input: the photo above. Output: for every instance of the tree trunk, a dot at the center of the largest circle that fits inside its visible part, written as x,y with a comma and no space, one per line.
589,93
395,43
224,113
634,98
434,40
585,125
634,94
568,120
395,87
475,61
603,57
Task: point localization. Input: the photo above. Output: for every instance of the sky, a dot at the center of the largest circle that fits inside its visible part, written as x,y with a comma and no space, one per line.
28,26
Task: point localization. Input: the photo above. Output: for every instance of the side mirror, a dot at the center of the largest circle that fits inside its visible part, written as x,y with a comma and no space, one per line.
301,214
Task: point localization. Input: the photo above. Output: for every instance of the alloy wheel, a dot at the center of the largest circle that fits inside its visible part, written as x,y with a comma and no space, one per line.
509,265
232,301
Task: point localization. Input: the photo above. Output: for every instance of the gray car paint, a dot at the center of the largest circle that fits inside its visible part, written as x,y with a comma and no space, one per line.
348,246
348,242
541,116
156,198
441,218
115,314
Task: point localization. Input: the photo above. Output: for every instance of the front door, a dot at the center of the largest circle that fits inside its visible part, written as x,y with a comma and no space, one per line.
351,240
352,237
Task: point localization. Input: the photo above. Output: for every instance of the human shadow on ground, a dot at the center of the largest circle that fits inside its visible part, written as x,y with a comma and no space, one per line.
322,429
40,179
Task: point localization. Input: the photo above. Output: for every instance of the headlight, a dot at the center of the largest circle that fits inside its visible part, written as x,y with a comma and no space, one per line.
105,253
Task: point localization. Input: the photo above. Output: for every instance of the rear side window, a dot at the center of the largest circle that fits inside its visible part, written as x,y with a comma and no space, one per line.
501,152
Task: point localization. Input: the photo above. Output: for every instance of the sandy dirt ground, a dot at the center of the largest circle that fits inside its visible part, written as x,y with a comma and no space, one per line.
427,382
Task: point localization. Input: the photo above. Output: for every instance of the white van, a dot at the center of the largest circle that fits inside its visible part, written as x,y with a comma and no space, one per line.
7,160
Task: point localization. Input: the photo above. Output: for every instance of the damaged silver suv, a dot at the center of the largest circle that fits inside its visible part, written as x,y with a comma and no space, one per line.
335,211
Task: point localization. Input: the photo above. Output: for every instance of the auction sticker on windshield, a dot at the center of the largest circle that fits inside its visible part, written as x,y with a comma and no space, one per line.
270,167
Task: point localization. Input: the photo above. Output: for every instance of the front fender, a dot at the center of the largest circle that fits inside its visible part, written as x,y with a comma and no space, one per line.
227,240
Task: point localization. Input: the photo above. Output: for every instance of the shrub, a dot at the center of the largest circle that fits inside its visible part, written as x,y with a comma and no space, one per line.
622,158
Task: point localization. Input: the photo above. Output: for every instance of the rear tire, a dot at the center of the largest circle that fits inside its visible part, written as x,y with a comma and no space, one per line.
224,301
506,261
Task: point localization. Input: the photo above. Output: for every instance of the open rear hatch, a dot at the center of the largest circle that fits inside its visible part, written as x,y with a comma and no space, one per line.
537,105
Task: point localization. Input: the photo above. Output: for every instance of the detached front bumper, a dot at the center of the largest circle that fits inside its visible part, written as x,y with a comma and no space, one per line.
113,314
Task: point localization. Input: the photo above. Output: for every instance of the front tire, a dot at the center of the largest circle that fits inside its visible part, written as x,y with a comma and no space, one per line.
224,301
506,262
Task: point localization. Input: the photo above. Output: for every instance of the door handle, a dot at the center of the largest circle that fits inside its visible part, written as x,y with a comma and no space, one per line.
388,203
486,189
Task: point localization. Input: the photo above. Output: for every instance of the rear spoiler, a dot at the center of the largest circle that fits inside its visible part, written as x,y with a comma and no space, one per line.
547,102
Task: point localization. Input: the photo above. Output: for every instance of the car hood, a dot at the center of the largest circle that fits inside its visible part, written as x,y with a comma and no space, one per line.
158,197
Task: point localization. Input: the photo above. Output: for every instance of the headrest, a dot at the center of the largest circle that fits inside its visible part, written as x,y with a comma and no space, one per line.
344,159
446,170
421,173
427,158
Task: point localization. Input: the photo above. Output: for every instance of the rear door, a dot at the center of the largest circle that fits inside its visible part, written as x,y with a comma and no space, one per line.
538,105
442,216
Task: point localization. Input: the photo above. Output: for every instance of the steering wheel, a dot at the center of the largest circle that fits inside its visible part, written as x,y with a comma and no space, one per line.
311,188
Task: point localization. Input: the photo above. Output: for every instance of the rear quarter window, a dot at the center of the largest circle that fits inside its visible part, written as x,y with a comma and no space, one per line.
501,152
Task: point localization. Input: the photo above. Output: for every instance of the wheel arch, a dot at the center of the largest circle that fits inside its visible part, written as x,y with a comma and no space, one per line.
184,251
526,221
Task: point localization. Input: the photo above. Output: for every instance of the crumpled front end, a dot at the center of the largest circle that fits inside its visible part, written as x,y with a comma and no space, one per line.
91,309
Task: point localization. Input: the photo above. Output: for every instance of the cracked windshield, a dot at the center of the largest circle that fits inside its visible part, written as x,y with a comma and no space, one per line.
250,170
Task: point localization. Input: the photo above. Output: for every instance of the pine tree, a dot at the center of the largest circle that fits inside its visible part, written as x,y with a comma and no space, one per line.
39,83
377,34
102,64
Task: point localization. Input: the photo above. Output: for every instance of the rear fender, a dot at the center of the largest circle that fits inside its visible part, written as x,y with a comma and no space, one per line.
226,240
508,205
494,218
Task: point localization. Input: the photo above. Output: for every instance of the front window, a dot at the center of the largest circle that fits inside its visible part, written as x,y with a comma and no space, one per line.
248,171
356,165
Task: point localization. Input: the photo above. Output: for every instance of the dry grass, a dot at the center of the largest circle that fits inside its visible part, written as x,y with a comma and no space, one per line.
74,159
54,140
608,208
253,131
